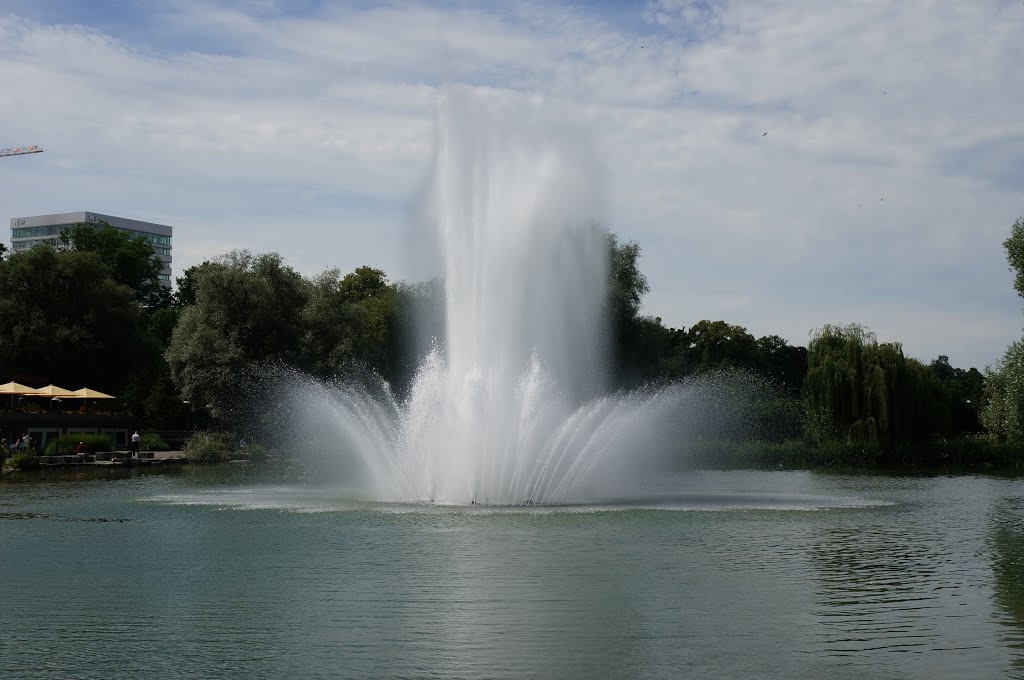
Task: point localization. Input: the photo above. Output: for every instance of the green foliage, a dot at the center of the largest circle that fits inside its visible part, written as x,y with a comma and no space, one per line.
790,454
67,318
207,447
247,308
347,320
961,453
976,450
66,443
962,393
24,460
865,393
716,344
1014,247
1003,411
158,404
419,320
782,363
630,334
150,441
626,283
160,325
130,260
256,453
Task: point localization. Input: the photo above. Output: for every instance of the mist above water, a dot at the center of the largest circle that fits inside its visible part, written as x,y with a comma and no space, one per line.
509,406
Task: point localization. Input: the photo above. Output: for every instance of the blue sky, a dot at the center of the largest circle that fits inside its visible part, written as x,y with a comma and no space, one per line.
889,176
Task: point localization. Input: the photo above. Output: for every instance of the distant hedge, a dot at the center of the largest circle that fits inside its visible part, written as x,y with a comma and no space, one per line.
65,445
152,442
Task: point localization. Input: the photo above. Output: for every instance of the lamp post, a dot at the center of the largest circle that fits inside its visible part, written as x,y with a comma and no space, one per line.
56,401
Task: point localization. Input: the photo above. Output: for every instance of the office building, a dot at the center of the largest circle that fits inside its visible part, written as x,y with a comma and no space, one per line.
30,231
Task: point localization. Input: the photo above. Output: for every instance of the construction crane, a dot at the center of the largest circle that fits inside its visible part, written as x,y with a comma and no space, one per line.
21,150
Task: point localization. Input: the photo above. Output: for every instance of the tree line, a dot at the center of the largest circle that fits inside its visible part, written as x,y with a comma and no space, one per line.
91,310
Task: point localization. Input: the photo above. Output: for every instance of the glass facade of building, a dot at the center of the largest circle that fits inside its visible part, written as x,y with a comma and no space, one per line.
28,232
161,244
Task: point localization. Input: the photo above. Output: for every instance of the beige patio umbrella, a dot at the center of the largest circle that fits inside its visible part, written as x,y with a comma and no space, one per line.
16,388
53,391
87,393
13,389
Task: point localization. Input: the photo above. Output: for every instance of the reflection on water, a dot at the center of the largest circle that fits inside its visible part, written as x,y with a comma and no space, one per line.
882,589
231,574
1006,536
906,590
490,598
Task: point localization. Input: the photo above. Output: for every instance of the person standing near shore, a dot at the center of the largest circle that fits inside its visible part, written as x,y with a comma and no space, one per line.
135,444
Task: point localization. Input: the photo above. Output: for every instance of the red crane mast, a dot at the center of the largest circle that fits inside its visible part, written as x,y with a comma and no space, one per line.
21,150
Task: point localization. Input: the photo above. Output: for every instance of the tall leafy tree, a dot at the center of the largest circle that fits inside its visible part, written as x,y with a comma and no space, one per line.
349,320
629,334
248,308
961,392
717,344
861,391
131,261
65,318
1002,412
846,387
1014,247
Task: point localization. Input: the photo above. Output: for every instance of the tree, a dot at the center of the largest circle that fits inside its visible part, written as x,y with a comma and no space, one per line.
962,394
1002,412
846,388
188,282
626,288
863,392
131,261
66,318
717,344
248,308
626,283
1014,247
784,364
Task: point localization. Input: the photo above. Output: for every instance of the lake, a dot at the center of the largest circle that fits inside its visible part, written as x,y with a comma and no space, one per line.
234,572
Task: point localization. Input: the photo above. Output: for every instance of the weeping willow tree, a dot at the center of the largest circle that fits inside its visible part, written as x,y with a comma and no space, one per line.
846,391
861,392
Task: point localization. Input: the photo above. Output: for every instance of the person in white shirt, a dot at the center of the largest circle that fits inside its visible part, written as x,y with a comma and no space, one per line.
135,444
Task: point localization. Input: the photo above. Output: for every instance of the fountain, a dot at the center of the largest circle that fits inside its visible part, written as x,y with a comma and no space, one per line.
510,408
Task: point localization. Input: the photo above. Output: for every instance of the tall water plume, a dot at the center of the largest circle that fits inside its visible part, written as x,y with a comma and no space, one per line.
507,407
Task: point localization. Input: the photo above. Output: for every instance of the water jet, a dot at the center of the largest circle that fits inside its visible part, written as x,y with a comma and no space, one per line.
510,406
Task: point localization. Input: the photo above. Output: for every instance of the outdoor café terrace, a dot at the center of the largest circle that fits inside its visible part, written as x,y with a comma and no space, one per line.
45,413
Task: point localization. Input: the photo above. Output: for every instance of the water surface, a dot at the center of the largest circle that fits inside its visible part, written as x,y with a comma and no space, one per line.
230,572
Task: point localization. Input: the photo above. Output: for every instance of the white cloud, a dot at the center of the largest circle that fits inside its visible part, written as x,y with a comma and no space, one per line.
890,161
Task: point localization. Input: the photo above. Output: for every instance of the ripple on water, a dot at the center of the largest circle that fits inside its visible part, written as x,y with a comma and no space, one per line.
296,499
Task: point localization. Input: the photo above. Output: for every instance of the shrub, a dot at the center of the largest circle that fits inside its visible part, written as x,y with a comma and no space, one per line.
789,454
66,443
151,441
253,452
206,447
24,460
256,453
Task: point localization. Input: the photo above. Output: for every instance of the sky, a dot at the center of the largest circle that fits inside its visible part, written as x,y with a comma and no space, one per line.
783,164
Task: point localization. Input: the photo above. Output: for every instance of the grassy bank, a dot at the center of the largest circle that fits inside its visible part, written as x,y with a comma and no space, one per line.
963,453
